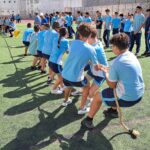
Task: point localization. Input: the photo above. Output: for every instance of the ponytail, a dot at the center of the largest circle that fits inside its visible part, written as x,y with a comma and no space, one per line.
60,37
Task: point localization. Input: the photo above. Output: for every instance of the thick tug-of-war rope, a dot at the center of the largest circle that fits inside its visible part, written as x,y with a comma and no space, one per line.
132,132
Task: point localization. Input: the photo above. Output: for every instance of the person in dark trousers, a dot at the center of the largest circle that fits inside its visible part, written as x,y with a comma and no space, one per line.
147,34
107,20
139,20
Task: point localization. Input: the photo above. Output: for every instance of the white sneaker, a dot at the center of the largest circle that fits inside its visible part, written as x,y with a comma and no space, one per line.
65,104
89,102
57,91
62,89
83,111
75,93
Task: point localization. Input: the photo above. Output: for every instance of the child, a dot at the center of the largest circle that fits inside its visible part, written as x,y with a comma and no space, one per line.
147,34
69,25
107,20
73,73
33,46
26,37
49,36
116,23
87,18
41,35
99,23
122,22
60,46
139,20
97,76
125,76
12,27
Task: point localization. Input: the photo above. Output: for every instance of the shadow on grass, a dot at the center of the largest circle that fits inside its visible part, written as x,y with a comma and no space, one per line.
95,139
36,137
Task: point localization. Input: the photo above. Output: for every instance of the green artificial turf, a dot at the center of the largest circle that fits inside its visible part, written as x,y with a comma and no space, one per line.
32,119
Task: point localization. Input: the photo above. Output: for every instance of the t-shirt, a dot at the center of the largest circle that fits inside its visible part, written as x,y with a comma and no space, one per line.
87,19
101,56
41,40
49,36
13,26
44,21
139,20
80,54
108,20
27,34
100,21
33,43
37,20
126,71
57,53
55,18
128,26
147,24
116,22
69,20
79,19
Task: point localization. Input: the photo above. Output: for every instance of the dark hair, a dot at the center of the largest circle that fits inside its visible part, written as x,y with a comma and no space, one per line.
93,33
116,13
36,28
121,15
147,10
62,33
139,7
107,10
120,40
87,13
29,25
55,25
84,30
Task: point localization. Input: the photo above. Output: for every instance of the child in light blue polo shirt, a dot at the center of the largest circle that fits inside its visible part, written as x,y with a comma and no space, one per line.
116,23
124,76
81,53
26,37
60,46
87,18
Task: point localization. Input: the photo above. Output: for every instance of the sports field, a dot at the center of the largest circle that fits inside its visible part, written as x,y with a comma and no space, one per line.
32,119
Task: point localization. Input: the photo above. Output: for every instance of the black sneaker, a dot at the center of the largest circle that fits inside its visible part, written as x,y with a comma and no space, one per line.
87,124
33,68
39,68
43,72
148,54
145,53
111,113
49,80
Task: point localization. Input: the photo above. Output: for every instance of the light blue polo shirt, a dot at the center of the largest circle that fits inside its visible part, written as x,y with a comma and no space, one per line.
126,71
102,59
80,54
87,19
41,40
116,23
27,34
139,20
69,20
128,25
108,20
57,53
33,43
49,36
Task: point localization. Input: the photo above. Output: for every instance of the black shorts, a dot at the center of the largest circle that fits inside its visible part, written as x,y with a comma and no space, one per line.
108,98
55,67
97,80
82,83
46,56
26,43
87,67
39,53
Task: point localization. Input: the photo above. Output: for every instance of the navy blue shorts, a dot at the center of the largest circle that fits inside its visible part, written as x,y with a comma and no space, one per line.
46,56
55,67
26,44
75,84
108,98
39,53
87,67
97,80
